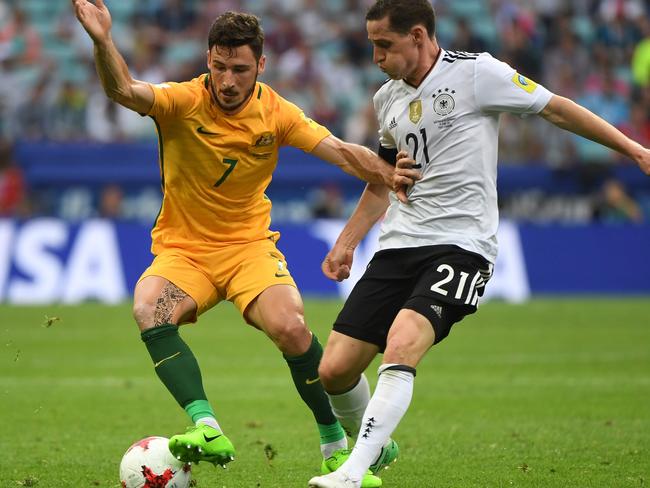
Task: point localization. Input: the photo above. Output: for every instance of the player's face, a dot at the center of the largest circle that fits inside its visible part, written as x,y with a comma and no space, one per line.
234,72
395,54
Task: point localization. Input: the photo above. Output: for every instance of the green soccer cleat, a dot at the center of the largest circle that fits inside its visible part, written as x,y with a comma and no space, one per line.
202,443
387,456
335,461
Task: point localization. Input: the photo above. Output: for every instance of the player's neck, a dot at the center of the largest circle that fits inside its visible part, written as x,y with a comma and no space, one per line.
429,58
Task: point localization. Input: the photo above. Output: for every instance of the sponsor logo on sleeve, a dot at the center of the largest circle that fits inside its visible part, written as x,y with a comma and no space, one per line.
524,83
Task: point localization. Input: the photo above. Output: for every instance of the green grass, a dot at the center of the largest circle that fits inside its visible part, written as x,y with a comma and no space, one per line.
554,393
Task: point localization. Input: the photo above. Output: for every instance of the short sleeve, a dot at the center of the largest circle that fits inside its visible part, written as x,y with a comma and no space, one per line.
499,88
171,99
386,140
298,130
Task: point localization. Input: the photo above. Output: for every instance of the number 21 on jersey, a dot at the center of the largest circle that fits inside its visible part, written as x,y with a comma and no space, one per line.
412,142
461,286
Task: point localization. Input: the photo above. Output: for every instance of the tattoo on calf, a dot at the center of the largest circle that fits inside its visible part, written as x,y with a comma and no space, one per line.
170,296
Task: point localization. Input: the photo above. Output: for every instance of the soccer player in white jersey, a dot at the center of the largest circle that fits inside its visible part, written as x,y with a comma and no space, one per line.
439,112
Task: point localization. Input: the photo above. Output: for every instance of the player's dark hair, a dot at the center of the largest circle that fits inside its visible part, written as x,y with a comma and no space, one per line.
234,29
403,15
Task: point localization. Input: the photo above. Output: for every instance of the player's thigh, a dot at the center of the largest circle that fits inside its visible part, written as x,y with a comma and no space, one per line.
172,290
344,359
409,338
449,289
278,311
376,299
258,266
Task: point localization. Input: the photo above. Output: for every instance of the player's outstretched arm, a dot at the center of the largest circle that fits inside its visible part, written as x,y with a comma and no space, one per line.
372,205
575,118
361,162
111,67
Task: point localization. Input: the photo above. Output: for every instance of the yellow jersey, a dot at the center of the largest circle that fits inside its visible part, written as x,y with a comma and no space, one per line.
215,167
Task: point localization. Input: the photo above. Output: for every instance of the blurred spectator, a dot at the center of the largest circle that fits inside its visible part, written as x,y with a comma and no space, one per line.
19,41
615,205
638,125
319,57
12,186
284,36
68,113
520,49
466,40
641,56
327,202
32,115
609,104
174,16
110,202
519,142
611,10
362,127
566,65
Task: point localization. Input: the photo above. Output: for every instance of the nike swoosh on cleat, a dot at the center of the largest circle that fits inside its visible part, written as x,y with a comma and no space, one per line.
210,439
311,382
201,130
166,359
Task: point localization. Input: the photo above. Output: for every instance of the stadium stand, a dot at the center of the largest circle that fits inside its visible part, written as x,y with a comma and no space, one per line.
595,51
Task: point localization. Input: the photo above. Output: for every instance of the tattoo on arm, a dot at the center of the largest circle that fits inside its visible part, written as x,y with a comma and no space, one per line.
170,296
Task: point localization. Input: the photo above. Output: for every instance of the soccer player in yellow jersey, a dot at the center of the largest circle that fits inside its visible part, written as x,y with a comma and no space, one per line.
219,137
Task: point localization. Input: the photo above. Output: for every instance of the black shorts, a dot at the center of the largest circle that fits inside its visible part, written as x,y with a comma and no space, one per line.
443,283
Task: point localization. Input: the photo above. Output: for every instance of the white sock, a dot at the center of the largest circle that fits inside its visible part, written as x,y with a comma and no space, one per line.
348,407
328,449
386,408
210,421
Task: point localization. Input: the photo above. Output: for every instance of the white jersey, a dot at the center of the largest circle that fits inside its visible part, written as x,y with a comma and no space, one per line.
449,125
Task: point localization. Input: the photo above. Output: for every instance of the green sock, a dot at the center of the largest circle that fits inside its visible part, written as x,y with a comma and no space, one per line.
175,364
304,371
199,409
330,433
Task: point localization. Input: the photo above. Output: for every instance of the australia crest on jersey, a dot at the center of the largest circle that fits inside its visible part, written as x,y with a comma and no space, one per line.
415,111
262,145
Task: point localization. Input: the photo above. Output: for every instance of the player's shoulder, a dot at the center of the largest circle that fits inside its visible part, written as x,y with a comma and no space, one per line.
269,98
186,90
464,64
460,57
385,91
196,85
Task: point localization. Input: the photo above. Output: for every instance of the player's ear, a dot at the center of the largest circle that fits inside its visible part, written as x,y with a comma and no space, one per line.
261,64
209,58
418,34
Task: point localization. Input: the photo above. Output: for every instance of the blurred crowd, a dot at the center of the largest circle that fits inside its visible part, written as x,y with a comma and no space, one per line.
596,52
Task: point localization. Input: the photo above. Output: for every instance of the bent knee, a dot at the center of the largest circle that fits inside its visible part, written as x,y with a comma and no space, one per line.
405,350
144,314
291,336
336,377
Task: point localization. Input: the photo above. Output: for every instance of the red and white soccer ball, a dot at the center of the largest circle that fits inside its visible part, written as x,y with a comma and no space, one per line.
149,464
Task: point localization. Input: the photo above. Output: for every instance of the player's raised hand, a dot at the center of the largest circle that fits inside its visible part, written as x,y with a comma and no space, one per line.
338,262
405,175
95,18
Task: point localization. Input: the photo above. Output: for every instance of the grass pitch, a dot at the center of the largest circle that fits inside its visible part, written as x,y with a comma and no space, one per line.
554,393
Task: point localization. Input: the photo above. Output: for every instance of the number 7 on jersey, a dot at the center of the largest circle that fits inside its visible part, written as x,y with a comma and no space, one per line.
231,165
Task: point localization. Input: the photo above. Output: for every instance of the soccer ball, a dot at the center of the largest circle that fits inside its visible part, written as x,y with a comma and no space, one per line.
149,464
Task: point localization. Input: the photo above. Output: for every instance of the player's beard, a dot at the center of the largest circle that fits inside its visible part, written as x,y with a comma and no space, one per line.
234,108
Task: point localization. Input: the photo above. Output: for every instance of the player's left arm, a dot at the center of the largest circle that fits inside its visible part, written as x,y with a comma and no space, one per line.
363,163
577,119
